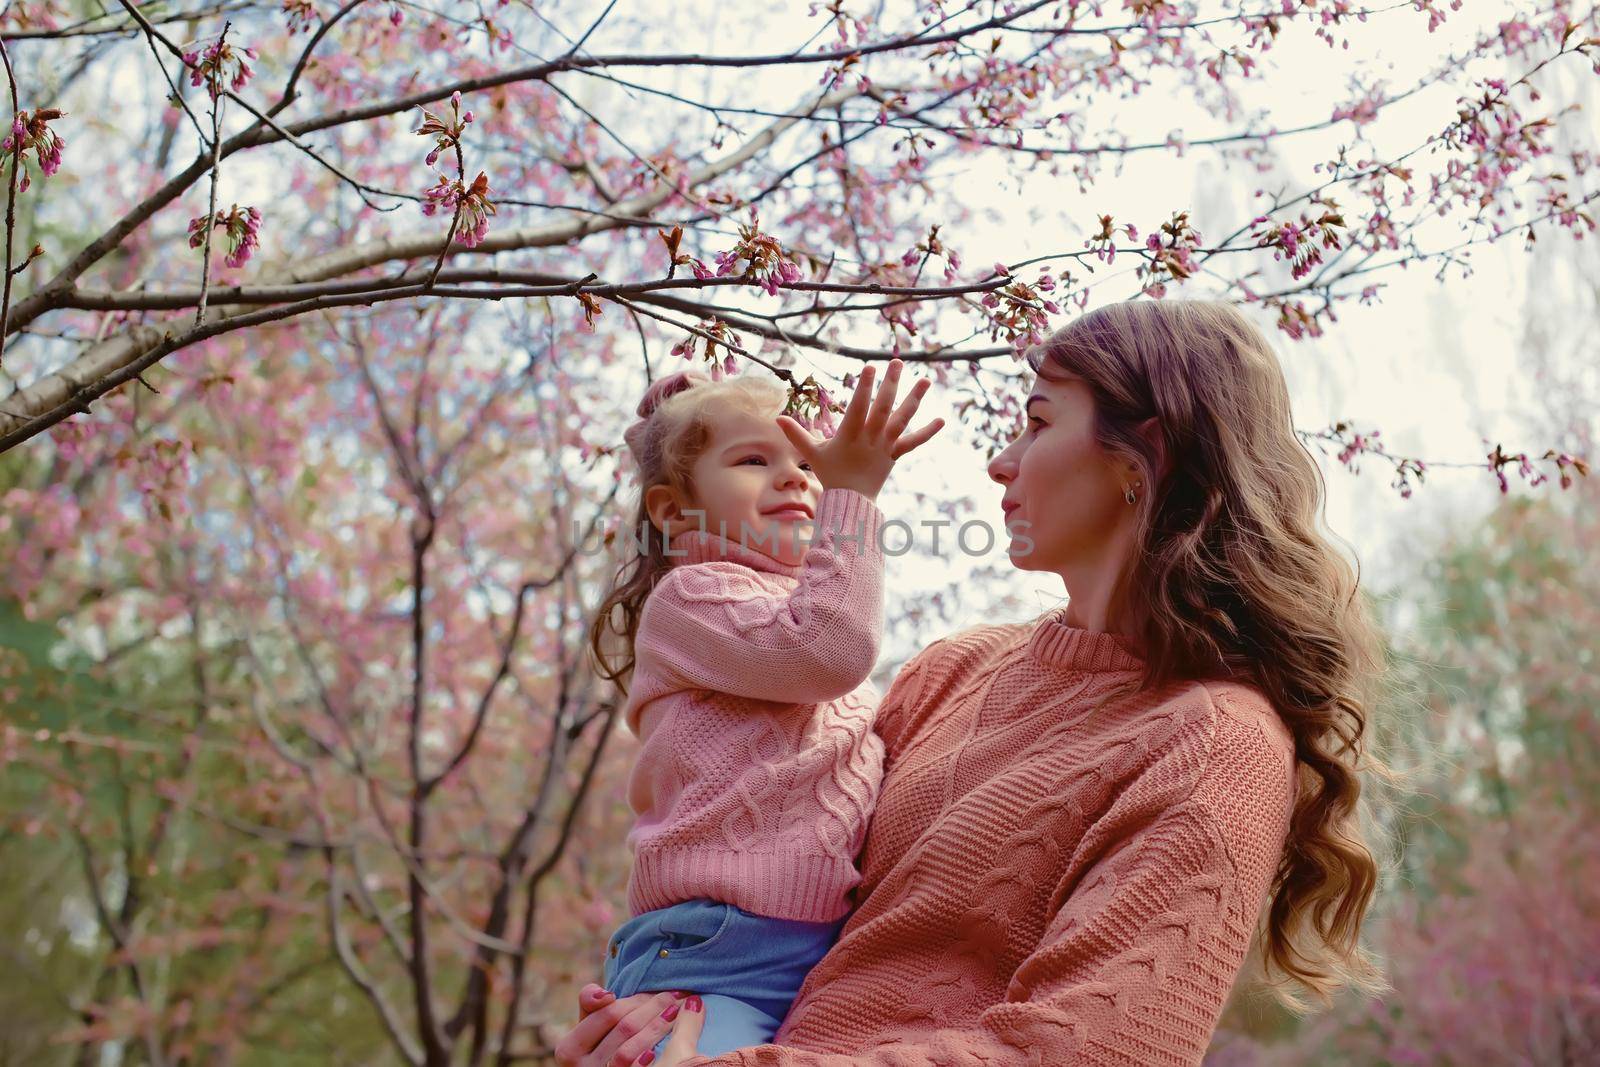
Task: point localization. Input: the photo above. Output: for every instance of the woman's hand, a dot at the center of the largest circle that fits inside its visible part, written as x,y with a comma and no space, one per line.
863,450
617,1033
686,1027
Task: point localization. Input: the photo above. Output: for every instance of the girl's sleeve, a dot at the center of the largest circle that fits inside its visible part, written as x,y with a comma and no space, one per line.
715,626
1139,959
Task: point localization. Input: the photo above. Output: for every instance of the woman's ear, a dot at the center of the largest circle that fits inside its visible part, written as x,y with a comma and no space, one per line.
665,508
1150,430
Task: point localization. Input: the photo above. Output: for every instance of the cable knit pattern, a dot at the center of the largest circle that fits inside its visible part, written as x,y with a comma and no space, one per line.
759,767
1049,878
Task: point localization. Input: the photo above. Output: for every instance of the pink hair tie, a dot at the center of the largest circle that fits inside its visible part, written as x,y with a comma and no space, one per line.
659,391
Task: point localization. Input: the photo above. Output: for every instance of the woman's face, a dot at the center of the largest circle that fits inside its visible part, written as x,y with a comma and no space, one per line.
1063,491
749,473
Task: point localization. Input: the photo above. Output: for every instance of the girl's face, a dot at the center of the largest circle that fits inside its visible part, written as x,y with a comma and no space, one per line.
749,473
1063,491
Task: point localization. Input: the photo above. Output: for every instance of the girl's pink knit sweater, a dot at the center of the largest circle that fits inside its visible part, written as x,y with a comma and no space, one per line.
1048,881
759,767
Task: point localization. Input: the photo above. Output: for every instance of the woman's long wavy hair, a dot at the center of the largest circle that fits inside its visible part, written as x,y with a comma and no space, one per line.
1232,579
671,438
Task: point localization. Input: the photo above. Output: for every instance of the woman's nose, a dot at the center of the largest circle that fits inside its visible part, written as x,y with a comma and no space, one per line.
1003,468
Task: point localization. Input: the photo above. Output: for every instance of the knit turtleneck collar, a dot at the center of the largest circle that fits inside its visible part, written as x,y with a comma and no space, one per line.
1056,642
704,546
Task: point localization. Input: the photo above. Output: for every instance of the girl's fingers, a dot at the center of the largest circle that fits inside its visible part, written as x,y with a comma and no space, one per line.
800,437
685,1034
917,439
902,416
883,403
855,412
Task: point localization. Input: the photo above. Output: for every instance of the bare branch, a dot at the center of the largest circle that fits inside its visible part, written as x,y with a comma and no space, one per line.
11,198
353,968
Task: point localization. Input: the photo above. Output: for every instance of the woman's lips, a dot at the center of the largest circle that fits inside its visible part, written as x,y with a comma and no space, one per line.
787,513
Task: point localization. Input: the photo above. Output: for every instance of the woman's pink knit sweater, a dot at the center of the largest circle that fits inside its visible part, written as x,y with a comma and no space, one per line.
1047,882
759,768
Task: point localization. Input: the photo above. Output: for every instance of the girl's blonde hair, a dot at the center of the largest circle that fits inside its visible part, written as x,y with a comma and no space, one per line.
671,434
1233,580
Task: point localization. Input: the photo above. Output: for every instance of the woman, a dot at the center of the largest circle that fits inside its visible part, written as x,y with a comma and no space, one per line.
1086,820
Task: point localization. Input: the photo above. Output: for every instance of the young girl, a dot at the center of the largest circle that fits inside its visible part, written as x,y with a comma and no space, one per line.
750,623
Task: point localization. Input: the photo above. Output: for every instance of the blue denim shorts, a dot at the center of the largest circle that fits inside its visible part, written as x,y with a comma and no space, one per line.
747,968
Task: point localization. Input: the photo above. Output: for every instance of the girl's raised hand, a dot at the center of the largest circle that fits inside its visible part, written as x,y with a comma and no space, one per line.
870,438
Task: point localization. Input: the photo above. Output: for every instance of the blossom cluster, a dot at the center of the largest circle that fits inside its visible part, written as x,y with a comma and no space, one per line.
714,334
1019,311
1353,444
1499,459
764,259
472,201
220,63
813,406
1103,243
300,14
1302,240
243,229
1296,319
446,132
453,194
31,132
1171,253
929,247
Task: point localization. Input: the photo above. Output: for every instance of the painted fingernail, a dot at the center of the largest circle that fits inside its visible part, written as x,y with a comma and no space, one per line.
671,1013
648,1057
695,1004
680,994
